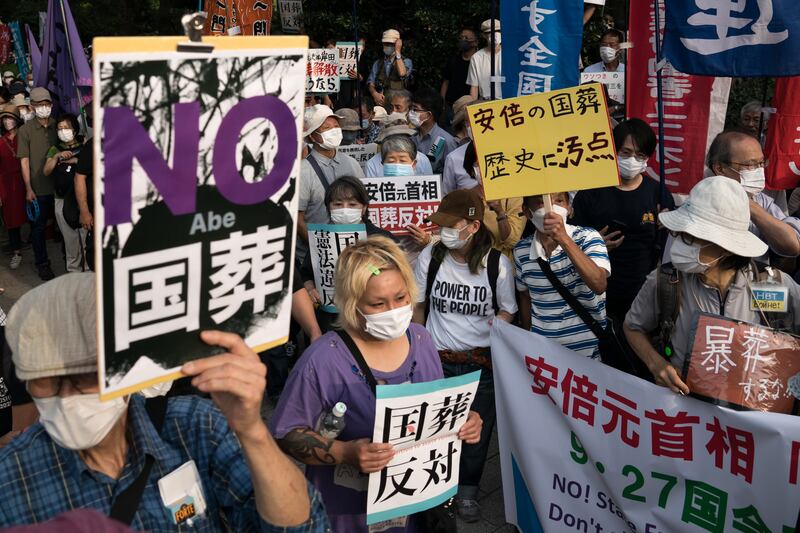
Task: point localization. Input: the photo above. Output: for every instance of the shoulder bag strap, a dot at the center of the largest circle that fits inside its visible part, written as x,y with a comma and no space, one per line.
570,298
493,270
318,170
357,355
126,503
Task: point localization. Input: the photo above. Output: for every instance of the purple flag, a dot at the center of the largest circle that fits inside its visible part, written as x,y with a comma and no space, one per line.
36,54
56,69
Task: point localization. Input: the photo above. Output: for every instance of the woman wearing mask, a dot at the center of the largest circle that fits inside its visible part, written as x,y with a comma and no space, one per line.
712,251
465,284
627,216
347,202
12,187
375,291
60,165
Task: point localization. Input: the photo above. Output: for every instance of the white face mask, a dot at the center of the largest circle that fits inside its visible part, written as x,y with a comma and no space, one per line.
538,216
66,136
331,139
753,180
630,167
346,215
43,111
27,116
81,421
686,257
450,238
9,123
388,325
607,54
415,119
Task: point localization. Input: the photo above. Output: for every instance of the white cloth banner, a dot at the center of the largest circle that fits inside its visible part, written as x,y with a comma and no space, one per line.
585,447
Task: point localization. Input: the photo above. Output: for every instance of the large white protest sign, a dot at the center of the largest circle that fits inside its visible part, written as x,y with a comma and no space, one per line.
322,72
398,201
614,83
362,153
584,447
422,421
325,243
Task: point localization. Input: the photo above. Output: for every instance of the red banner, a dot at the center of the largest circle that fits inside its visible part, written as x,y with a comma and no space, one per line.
783,136
691,115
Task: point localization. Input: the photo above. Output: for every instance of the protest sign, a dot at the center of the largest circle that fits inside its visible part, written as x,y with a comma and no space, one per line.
621,454
291,15
694,106
782,149
743,365
614,83
396,202
541,41
421,421
322,74
362,153
739,39
543,143
347,58
325,244
198,234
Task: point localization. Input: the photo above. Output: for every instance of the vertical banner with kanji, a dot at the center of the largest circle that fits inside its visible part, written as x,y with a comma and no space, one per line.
322,76
585,447
198,233
543,143
541,45
291,12
421,421
783,136
694,106
325,243
397,202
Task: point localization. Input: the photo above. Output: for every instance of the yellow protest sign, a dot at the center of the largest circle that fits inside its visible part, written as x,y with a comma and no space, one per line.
542,143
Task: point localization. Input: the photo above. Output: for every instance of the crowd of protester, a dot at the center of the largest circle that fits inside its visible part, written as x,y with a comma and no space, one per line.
586,270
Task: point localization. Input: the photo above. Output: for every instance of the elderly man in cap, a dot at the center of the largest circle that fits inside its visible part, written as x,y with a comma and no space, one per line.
35,139
394,125
322,166
393,71
480,64
141,461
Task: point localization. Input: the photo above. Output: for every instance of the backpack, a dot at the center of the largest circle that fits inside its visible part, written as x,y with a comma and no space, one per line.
493,270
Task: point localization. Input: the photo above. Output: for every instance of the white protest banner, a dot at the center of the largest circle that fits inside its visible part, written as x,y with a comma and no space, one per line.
421,421
362,153
397,201
322,72
347,58
325,244
199,233
585,447
291,15
613,81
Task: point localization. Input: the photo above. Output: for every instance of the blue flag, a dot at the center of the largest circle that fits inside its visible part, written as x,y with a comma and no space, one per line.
541,45
19,50
739,38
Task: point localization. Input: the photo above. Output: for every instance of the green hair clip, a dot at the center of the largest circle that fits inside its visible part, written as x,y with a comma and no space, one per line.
375,270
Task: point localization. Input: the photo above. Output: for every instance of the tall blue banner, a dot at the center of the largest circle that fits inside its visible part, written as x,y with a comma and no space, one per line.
738,38
19,50
541,45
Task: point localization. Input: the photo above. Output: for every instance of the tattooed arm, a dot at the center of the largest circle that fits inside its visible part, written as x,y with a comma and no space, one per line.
312,449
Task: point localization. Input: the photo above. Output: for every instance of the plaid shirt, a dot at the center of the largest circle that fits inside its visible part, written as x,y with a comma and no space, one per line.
39,479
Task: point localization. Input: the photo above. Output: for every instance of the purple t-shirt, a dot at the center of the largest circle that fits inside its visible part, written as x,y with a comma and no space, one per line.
326,374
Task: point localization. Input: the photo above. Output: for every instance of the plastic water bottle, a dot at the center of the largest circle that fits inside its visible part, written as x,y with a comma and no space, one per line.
331,424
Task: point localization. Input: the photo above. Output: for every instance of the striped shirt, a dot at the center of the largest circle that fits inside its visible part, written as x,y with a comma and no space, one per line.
551,316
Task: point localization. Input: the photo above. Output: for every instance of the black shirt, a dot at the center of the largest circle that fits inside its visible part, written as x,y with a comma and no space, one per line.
634,214
455,72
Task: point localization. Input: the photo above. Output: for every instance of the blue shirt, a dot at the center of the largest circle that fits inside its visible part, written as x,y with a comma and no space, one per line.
39,479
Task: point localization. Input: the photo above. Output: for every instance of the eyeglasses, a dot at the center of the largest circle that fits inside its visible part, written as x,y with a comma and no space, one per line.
625,152
751,165
49,387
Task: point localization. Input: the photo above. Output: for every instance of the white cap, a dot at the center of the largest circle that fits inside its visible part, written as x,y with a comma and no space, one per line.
314,116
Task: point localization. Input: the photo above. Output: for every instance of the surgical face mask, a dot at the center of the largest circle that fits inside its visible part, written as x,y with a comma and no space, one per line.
398,169
66,136
81,421
450,238
43,111
630,167
752,180
27,116
388,50
346,215
538,216
364,123
608,54
388,325
331,139
415,118
9,123
686,257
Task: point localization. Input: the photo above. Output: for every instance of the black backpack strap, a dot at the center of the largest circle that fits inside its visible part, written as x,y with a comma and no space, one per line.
570,298
318,170
126,504
668,299
493,270
433,269
359,357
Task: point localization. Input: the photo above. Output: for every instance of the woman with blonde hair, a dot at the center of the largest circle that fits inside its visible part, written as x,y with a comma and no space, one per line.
376,343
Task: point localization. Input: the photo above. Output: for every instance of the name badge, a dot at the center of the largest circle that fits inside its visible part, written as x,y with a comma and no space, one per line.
769,298
182,493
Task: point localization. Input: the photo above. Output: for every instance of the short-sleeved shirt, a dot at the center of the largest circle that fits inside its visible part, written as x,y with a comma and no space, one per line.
374,167
461,302
327,374
437,144
34,141
551,315
480,70
455,73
